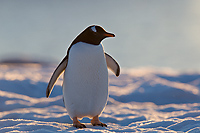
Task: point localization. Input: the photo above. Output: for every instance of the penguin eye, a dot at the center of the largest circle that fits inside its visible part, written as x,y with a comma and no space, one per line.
93,28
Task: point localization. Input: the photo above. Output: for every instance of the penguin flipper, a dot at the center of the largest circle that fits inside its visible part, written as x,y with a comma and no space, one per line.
56,74
112,64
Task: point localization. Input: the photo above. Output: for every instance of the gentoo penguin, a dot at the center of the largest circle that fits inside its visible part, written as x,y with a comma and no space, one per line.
85,83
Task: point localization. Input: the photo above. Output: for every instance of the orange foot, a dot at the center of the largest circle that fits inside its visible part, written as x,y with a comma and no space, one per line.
77,123
95,122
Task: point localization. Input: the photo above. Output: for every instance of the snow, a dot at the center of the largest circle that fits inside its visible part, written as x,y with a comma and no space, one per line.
141,100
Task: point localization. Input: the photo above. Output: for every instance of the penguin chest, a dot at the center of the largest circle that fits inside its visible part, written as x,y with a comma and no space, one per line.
85,86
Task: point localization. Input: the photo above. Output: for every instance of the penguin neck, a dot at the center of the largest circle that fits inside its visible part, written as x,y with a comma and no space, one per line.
88,41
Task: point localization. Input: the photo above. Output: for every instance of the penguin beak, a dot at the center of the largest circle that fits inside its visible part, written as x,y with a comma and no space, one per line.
109,34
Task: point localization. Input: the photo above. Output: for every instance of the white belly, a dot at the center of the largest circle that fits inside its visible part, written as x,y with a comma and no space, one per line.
85,86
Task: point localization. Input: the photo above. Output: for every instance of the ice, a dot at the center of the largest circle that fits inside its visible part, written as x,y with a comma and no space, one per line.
141,100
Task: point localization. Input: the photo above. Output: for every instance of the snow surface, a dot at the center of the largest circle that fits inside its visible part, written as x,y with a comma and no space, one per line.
141,100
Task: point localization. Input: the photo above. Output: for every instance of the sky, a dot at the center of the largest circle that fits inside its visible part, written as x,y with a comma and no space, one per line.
153,33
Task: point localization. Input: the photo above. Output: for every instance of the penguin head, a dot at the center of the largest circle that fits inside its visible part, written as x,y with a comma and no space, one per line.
93,35
98,32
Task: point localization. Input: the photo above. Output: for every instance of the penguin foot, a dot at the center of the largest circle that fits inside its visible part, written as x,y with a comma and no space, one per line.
95,122
77,123
101,124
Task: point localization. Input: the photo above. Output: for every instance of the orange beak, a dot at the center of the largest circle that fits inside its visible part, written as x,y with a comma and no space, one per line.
109,34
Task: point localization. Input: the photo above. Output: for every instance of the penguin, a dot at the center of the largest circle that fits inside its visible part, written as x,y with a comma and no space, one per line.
85,82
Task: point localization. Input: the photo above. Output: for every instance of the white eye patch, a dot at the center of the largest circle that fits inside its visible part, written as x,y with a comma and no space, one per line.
94,28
